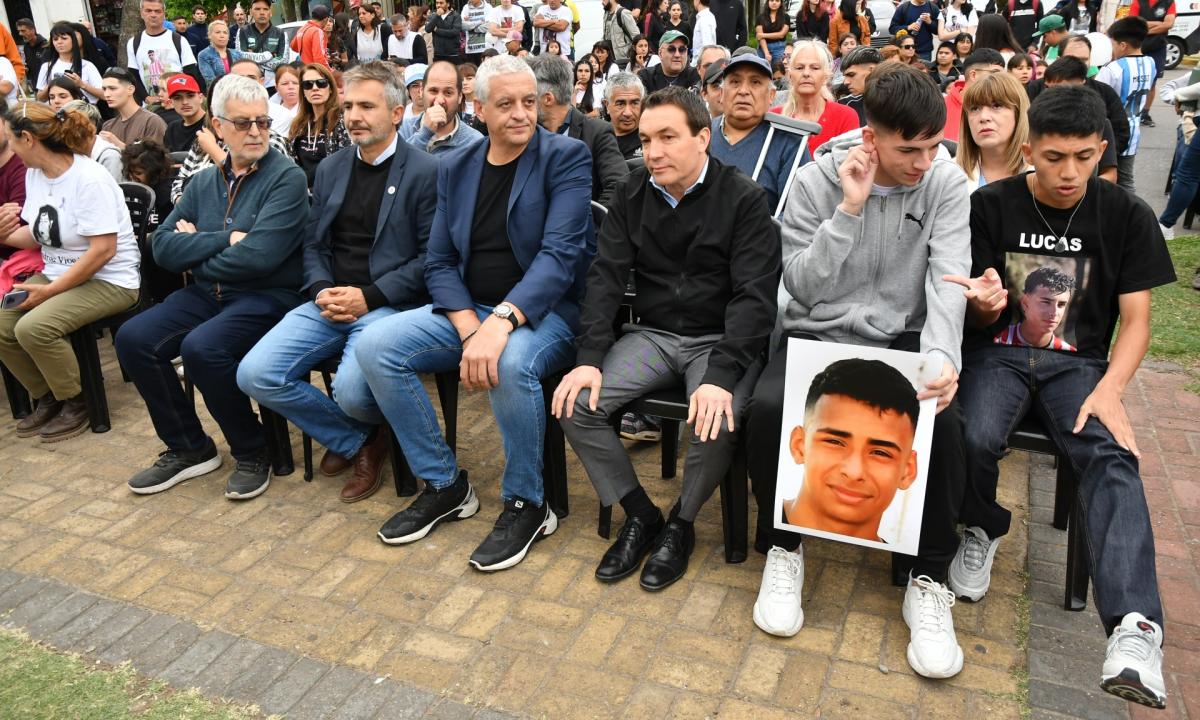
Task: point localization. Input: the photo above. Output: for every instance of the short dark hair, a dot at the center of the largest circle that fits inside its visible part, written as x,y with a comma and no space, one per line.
457,72
120,74
904,99
149,156
689,102
1019,59
199,7
982,56
861,55
179,17
1066,43
1066,69
1131,30
871,382
26,22
1051,278
319,12
1069,110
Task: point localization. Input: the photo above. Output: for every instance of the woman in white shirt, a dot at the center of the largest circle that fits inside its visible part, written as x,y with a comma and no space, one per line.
70,63
76,217
995,125
953,20
367,41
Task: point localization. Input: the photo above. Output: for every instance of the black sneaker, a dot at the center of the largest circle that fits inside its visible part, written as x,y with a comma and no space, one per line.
431,507
250,478
172,468
519,526
1146,119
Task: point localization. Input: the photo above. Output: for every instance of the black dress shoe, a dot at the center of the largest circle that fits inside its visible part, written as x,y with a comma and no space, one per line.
625,555
669,561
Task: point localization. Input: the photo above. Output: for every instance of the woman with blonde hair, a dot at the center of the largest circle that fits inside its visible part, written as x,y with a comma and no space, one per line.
216,59
995,112
810,98
317,132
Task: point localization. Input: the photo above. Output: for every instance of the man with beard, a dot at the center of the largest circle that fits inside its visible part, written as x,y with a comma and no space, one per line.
438,128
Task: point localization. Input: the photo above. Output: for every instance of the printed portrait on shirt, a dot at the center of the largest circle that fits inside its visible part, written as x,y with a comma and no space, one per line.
1045,294
854,451
46,230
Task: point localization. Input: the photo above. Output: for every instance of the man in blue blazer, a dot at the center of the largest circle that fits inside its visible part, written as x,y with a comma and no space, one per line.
364,257
511,242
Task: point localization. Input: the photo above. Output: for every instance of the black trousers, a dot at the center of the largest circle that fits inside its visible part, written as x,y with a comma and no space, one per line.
943,490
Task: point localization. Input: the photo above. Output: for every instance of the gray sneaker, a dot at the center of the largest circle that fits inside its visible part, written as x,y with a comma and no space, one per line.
172,468
250,478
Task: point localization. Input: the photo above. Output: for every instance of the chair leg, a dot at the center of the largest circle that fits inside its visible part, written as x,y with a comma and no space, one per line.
554,455
604,527
1075,592
279,442
83,341
734,509
18,397
670,446
1063,495
406,484
447,387
308,458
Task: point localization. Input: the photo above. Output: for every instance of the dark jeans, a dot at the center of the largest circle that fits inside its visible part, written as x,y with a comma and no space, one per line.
943,488
999,384
1187,179
211,334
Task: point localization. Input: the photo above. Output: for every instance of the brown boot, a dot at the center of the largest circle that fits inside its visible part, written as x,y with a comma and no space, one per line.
47,407
333,464
368,467
71,420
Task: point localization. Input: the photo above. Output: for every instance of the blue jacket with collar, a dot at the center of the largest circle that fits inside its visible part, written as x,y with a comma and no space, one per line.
397,257
549,227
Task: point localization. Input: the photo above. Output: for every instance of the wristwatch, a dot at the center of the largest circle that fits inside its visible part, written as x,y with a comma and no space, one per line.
504,311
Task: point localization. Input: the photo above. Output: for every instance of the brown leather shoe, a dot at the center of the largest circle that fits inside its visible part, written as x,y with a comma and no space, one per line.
333,464
71,420
368,468
47,407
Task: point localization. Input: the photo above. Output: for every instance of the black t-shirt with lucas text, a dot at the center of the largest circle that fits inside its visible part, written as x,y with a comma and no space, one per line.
1064,269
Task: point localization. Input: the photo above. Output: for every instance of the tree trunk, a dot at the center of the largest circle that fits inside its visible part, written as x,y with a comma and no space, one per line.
131,25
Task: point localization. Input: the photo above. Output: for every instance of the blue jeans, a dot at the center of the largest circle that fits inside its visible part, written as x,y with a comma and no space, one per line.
276,371
211,333
998,385
395,350
1187,179
775,48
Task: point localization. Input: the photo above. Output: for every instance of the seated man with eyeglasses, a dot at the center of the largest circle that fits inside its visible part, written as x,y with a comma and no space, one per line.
237,230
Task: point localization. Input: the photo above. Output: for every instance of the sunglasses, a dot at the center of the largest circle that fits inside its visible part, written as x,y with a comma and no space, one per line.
676,49
262,123
310,84
907,47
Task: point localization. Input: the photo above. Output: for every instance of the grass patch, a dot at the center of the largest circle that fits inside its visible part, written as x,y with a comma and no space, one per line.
1176,310
37,683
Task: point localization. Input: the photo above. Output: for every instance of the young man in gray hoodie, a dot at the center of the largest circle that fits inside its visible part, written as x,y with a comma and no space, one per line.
870,228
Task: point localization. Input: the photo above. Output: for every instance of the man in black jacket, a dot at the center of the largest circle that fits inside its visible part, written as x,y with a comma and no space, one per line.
32,48
674,69
555,90
699,236
446,26
731,22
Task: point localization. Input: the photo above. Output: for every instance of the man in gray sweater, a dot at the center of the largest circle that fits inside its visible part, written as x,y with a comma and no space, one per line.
870,228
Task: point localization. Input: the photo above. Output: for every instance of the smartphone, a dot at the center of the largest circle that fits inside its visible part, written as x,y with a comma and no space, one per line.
13,299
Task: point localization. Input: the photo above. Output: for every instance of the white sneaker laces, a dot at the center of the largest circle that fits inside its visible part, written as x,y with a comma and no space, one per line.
935,603
1137,644
784,568
974,551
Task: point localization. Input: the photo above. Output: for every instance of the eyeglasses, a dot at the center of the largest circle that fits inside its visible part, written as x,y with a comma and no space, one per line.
676,49
907,47
310,84
262,123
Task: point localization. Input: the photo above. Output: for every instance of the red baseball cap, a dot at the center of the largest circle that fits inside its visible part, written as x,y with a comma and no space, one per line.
182,83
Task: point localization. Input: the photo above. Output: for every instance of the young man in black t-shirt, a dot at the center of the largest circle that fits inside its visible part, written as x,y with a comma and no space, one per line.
1055,253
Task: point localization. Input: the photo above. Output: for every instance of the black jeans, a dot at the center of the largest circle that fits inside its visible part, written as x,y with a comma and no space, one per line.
999,384
211,334
943,489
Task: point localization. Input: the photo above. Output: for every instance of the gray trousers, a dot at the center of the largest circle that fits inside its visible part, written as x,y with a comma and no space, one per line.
1125,172
639,362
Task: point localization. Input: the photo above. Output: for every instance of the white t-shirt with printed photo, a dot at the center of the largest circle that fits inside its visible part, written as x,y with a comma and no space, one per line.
953,19
83,202
89,75
545,35
507,19
157,55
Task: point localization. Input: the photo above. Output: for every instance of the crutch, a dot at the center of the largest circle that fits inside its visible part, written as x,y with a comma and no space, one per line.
804,129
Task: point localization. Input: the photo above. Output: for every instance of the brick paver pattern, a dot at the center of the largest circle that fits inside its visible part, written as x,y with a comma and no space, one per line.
297,569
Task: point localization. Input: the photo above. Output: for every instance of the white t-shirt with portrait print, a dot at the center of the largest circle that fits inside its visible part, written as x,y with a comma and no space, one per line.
507,19
9,73
83,202
156,55
89,74
954,20
544,35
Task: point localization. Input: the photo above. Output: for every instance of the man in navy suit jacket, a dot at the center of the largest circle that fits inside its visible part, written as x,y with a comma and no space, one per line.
511,242
364,258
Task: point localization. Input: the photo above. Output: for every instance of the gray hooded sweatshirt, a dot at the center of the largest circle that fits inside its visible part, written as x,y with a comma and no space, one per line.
865,280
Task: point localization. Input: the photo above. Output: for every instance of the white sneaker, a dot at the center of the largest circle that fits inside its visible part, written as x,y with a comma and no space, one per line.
1167,233
971,569
1133,665
777,610
933,649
